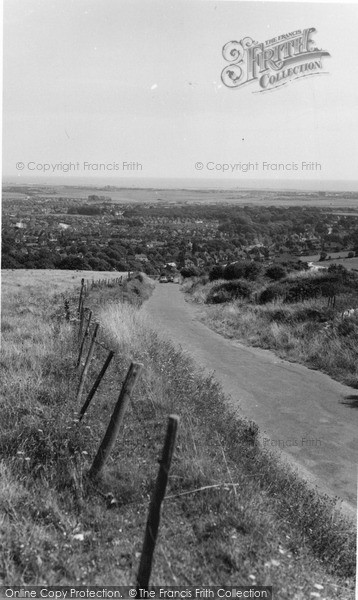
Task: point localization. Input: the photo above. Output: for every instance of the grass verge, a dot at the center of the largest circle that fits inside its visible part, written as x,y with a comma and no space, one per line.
309,332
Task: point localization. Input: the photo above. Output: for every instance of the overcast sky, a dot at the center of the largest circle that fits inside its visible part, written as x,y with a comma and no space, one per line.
139,80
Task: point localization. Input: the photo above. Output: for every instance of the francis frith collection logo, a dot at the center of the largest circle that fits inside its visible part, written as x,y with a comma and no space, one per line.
272,63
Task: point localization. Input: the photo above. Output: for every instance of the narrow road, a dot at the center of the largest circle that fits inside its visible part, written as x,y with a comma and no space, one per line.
303,414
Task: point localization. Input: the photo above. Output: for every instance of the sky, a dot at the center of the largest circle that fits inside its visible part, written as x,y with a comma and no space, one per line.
93,82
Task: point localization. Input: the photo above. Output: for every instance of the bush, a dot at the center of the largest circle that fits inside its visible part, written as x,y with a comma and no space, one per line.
97,264
332,282
217,272
234,271
189,272
8,262
242,269
275,272
228,291
268,295
337,269
252,270
74,262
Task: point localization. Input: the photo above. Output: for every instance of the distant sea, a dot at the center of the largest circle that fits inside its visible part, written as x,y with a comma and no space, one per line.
186,183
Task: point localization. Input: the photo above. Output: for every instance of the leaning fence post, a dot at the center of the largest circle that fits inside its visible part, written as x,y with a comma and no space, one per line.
81,317
84,339
87,364
95,385
116,420
81,294
151,530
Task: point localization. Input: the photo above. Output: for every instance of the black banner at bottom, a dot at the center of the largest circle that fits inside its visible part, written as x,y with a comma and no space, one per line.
127,593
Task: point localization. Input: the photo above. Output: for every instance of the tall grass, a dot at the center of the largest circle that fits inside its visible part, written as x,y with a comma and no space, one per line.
308,332
294,332
125,326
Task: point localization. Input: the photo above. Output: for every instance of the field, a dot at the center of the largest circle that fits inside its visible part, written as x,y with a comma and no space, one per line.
337,258
220,524
54,282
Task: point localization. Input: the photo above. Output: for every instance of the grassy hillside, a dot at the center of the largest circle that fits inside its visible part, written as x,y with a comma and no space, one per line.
293,317
231,514
32,281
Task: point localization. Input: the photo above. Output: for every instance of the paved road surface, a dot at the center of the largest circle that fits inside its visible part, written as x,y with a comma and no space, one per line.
304,410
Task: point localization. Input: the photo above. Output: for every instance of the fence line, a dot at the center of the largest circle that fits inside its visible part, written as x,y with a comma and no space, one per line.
116,420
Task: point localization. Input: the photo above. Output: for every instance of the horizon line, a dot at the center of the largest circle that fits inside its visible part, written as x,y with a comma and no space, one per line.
192,184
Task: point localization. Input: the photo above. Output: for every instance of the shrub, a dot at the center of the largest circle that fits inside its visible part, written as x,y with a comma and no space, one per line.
8,262
305,288
242,269
217,272
189,272
268,295
234,271
252,270
74,262
275,272
339,269
228,291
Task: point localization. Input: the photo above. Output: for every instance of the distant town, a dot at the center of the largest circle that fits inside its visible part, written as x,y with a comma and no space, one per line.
150,230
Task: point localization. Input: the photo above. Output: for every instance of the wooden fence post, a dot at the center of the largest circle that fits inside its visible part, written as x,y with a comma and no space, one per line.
116,420
84,339
81,294
67,310
87,364
81,317
151,530
95,385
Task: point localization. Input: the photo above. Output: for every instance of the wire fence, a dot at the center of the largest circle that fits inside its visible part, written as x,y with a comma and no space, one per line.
88,329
